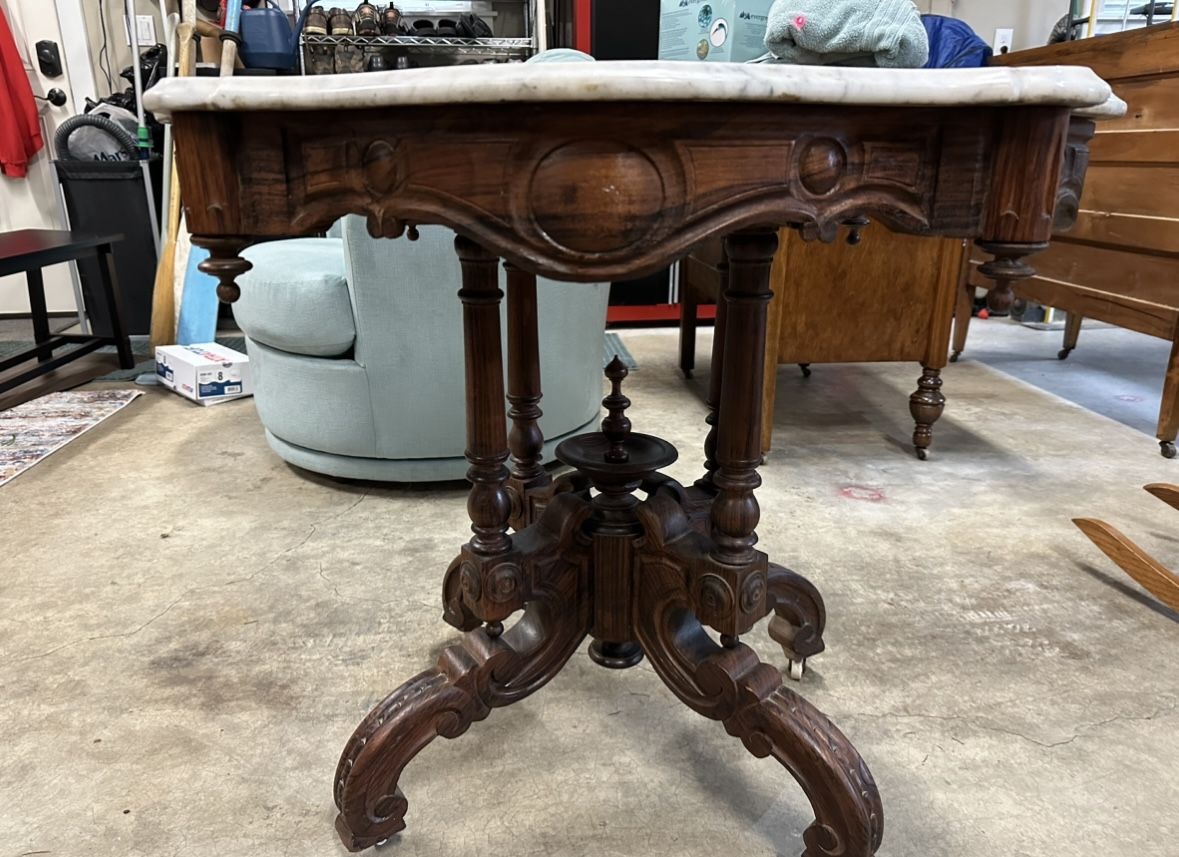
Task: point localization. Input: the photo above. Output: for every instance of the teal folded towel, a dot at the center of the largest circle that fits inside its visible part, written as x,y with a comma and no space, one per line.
884,33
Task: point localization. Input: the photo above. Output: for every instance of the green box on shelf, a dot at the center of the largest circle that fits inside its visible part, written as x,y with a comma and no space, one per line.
713,30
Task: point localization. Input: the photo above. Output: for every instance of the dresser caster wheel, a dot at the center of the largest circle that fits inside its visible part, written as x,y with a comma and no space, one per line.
796,669
922,454
1063,353
954,357
1167,448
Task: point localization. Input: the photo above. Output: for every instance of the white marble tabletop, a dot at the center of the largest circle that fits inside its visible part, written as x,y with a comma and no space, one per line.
1063,86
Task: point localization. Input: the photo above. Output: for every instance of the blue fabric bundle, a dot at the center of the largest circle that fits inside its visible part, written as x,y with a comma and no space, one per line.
952,44
884,33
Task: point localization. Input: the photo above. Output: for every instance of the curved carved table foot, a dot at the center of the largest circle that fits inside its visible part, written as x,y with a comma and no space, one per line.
799,617
478,674
730,684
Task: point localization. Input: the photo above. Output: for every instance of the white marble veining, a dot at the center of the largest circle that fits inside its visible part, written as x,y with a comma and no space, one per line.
1065,86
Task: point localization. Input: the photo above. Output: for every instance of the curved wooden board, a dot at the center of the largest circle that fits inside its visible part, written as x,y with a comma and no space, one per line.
1169,494
1154,577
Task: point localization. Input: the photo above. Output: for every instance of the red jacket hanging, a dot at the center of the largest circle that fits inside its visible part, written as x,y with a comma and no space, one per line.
20,125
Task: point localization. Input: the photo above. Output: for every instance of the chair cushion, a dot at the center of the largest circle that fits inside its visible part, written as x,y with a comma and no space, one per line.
295,298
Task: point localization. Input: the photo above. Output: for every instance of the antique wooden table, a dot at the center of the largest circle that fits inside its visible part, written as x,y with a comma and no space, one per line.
589,172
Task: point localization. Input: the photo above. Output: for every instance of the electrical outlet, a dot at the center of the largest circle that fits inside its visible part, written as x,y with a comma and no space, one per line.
1004,39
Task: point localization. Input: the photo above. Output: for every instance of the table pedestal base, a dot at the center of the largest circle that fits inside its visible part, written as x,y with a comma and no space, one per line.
673,576
567,564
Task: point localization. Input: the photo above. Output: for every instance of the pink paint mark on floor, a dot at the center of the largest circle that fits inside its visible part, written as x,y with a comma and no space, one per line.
863,493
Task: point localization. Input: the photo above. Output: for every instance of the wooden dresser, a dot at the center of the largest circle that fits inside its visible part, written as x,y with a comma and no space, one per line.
830,306
1119,263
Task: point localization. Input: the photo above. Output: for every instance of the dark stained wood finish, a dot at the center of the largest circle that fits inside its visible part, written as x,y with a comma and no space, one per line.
924,171
1115,254
596,191
530,483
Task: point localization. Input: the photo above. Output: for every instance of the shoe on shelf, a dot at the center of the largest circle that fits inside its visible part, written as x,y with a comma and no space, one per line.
425,27
394,25
368,20
340,22
317,22
376,62
471,26
446,27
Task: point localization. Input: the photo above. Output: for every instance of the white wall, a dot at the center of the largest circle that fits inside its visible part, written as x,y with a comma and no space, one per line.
120,53
1032,20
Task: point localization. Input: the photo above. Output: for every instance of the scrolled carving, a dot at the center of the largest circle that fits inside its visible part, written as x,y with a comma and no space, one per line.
470,582
753,593
471,678
799,613
714,595
747,696
1072,174
504,582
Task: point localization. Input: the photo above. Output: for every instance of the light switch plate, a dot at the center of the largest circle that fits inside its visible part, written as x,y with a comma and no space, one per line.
145,28
1004,38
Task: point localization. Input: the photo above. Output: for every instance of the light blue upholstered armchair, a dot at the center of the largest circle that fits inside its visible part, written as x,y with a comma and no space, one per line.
356,347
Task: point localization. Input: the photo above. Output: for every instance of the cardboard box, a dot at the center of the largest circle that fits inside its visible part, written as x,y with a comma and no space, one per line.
713,30
207,373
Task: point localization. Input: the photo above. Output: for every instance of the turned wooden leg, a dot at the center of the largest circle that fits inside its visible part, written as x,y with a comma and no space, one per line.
963,311
728,683
1006,268
529,483
224,263
799,618
1169,407
542,570
1072,332
926,405
715,382
735,512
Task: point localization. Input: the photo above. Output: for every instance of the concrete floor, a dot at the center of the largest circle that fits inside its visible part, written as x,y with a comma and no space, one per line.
1114,372
189,631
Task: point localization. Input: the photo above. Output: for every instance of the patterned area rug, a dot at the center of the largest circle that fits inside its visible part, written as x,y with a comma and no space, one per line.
36,429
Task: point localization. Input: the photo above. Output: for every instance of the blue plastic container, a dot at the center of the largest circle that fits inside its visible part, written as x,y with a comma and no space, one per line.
267,40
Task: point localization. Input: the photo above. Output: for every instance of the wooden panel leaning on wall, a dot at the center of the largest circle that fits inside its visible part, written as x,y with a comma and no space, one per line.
1119,262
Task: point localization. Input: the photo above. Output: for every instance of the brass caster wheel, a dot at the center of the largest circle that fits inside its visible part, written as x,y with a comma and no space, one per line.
1063,353
922,454
1167,448
954,357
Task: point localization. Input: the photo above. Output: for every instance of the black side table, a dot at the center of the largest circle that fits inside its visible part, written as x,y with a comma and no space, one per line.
30,250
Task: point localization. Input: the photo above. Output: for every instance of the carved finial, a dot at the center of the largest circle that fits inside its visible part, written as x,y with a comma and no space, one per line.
855,227
224,264
616,426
